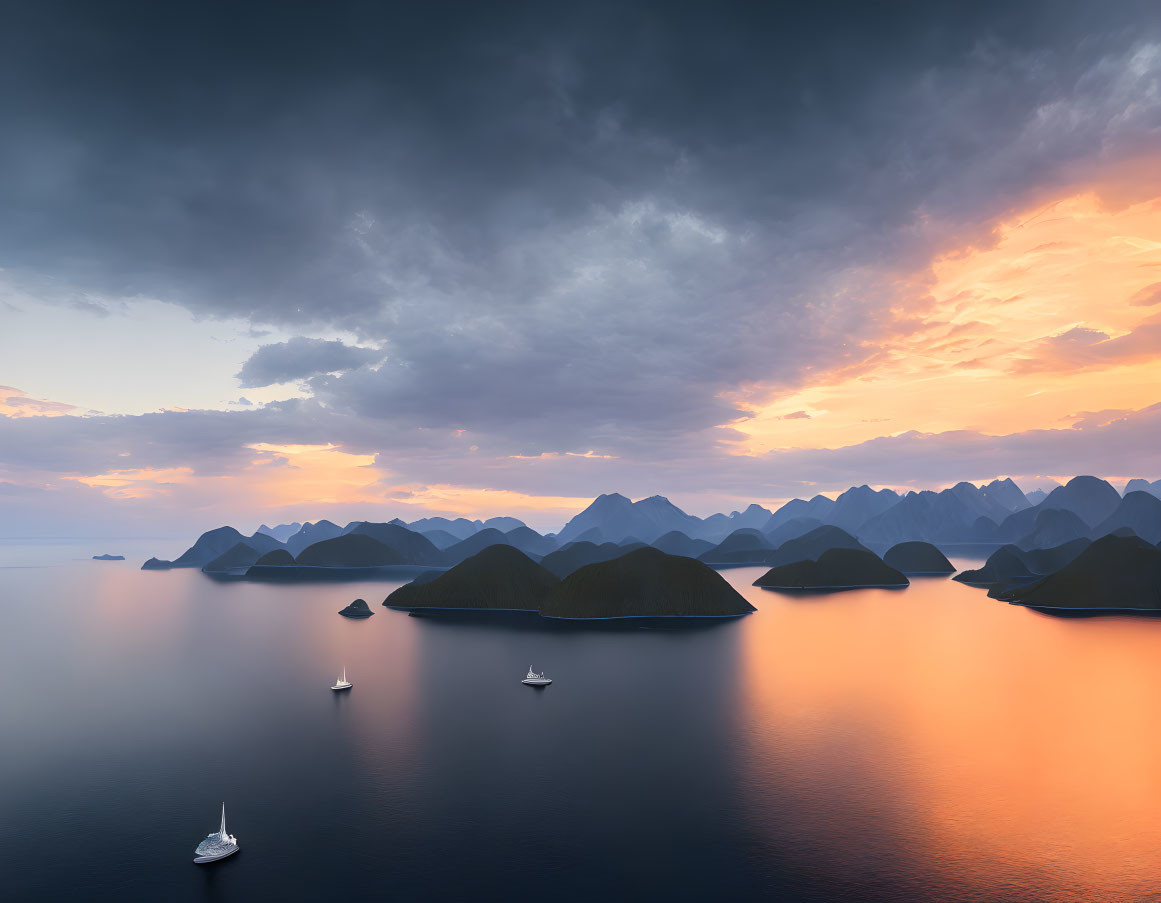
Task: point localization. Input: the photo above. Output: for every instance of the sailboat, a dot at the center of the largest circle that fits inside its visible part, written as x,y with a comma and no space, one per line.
342,683
536,680
218,845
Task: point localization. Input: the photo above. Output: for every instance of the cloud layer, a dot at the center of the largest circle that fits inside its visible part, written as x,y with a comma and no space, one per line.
298,358
628,229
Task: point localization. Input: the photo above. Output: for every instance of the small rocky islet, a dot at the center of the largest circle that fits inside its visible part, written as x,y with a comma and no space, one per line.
357,609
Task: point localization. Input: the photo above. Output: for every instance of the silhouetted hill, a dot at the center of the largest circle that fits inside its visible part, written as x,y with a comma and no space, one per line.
677,543
312,533
282,532
595,535
791,529
1036,496
441,539
575,555
108,557
1007,495
644,583
355,550
157,564
214,543
1003,565
985,501
1140,512
414,547
1045,561
834,569
240,555
745,546
717,527
983,530
503,524
1140,485
925,515
357,609
817,508
460,528
963,513
810,546
617,518
1089,497
475,543
530,542
918,558
498,577
1115,573
1053,527
277,558
858,505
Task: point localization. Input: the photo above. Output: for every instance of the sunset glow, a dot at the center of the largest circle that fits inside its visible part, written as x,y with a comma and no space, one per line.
1059,316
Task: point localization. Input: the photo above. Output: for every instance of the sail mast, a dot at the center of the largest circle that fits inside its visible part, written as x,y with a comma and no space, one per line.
222,830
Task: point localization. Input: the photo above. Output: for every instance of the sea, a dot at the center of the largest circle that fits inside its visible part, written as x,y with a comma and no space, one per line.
929,744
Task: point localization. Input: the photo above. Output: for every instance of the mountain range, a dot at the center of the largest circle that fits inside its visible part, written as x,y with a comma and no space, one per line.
985,516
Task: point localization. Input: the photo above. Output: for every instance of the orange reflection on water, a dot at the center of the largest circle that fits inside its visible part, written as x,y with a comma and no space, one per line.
997,742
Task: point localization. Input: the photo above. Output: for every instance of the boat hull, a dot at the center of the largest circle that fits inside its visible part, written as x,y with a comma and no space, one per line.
339,689
202,860
537,682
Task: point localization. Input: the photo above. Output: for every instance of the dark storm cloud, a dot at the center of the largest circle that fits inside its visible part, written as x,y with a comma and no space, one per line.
567,226
299,358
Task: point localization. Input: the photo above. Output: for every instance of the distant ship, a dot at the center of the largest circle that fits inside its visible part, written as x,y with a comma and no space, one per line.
218,845
342,683
536,680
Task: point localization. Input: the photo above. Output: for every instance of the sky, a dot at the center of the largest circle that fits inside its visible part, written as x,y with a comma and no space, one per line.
274,262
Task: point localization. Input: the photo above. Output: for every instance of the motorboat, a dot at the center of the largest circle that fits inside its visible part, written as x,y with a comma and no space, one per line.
536,680
218,845
342,683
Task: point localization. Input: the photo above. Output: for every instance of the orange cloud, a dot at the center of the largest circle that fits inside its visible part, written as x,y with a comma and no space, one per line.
459,501
1051,319
1148,296
311,474
15,403
141,483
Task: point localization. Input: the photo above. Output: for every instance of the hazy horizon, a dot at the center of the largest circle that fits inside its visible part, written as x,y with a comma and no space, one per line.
537,520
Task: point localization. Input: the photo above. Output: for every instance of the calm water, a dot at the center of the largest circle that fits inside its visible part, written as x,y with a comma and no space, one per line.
923,745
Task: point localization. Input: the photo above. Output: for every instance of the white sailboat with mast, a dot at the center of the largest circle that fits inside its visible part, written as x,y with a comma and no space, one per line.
218,845
536,680
342,683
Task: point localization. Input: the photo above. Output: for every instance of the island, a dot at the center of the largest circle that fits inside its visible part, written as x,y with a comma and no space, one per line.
354,550
836,569
275,559
107,557
644,583
1003,566
357,609
918,559
811,545
1045,561
496,578
577,554
237,558
1114,575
